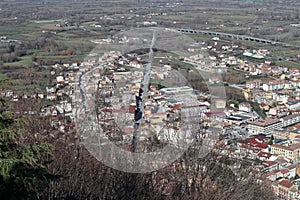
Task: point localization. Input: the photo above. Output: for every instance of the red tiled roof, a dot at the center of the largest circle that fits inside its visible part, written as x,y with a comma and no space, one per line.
256,142
215,114
292,147
264,154
290,167
269,163
176,107
131,109
286,184
272,173
290,117
295,126
285,171
281,160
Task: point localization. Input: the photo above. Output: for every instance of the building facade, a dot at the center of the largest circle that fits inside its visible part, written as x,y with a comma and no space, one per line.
266,126
291,152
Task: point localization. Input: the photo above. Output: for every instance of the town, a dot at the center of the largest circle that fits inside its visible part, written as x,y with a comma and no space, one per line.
271,141
150,100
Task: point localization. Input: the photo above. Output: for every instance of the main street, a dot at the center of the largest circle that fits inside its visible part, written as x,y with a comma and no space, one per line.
140,108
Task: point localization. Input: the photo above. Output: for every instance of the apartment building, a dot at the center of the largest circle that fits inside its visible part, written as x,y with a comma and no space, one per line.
266,126
291,152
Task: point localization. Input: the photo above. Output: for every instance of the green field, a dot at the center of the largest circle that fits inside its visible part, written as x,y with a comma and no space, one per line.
289,64
24,61
2,76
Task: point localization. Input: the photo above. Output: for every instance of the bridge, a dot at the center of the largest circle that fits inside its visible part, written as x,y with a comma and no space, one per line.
228,35
238,37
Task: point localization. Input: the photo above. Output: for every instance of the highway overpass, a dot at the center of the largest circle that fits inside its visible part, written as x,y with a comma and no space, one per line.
228,35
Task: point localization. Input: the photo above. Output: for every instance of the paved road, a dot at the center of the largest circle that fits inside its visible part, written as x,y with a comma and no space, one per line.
144,87
147,74
240,87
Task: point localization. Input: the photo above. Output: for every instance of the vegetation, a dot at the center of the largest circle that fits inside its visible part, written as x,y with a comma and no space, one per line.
21,169
39,162
289,64
234,102
258,110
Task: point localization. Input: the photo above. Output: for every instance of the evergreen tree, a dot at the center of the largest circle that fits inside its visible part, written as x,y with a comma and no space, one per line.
22,175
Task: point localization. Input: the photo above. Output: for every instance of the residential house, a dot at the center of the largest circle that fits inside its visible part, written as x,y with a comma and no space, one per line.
51,97
293,105
281,97
264,156
294,71
285,190
290,120
253,144
273,85
246,107
280,110
271,166
253,84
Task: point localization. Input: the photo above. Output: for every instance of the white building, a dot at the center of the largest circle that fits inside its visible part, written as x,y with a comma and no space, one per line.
246,107
264,126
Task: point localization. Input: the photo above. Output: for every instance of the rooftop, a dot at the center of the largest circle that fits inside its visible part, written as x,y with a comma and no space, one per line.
290,117
266,122
292,147
286,183
270,163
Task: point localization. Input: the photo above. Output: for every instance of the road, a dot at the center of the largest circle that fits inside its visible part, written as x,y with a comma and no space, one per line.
144,86
240,87
147,73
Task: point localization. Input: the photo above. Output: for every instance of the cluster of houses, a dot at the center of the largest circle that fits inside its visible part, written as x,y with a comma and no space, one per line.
223,57
274,141
278,97
273,145
56,97
165,107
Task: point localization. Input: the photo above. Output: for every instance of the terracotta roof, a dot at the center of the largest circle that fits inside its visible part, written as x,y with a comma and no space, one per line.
281,160
159,114
290,167
292,147
290,117
286,184
215,114
256,141
272,173
295,126
269,163
264,154
285,171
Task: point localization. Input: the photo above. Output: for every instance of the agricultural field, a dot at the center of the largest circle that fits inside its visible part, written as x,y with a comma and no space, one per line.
52,32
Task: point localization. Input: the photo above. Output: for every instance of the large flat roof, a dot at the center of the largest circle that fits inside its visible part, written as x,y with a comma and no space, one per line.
266,122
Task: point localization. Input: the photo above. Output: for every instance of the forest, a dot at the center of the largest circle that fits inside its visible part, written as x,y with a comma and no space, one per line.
41,163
